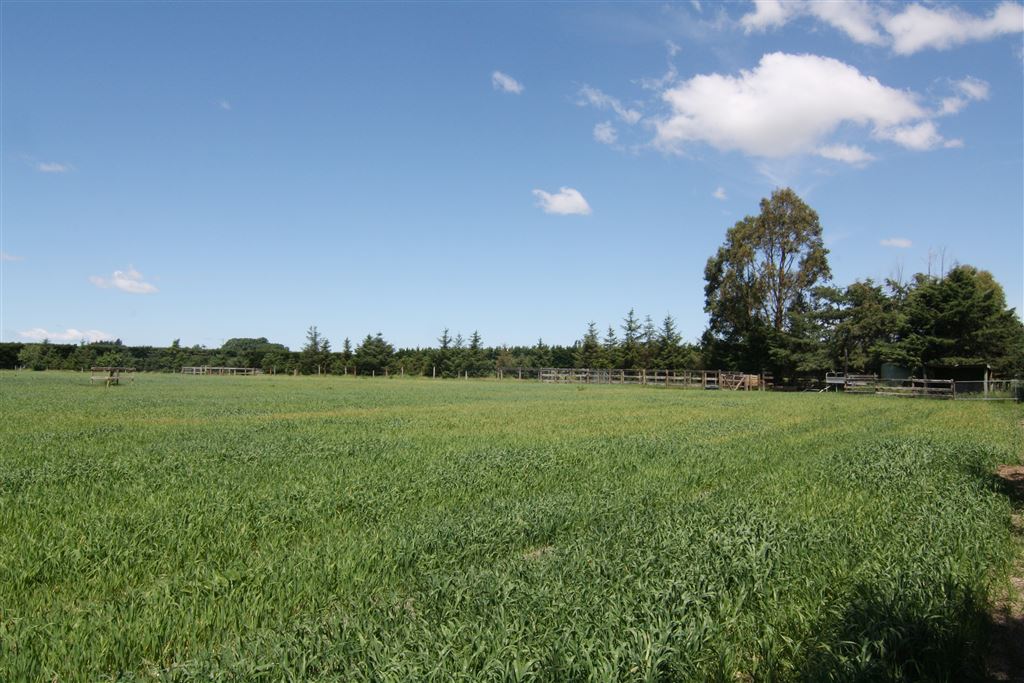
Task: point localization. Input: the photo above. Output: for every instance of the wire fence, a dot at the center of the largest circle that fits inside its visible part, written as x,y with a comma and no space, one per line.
990,390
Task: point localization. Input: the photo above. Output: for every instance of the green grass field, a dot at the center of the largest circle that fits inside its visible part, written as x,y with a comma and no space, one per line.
280,528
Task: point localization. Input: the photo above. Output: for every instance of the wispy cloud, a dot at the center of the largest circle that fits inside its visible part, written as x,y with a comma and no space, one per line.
967,90
941,27
605,133
849,154
69,335
4,256
567,201
505,83
897,242
224,104
919,136
595,98
53,167
913,28
720,194
130,281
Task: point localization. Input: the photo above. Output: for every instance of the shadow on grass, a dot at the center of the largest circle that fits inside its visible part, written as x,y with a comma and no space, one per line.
1006,619
885,638
960,636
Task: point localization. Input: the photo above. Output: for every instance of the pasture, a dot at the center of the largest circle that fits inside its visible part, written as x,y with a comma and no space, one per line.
286,528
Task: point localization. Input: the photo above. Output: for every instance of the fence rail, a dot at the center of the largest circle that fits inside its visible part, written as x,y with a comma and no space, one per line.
990,389
683,379
213,370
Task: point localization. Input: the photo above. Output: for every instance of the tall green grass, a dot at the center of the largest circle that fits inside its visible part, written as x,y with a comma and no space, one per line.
186,528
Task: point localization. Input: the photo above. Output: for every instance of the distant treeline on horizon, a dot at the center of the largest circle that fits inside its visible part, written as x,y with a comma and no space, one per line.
770,304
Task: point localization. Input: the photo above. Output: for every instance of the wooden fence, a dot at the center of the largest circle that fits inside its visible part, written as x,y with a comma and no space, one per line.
910,388
212,370
683,379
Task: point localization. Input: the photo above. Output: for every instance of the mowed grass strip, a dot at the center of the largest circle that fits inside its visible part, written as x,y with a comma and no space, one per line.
280,528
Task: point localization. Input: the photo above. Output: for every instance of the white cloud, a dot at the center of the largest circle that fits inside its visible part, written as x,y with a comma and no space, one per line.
941,27
766,14
53,167
4,256
850,154
596,98
224,104
69,335
565,202
969,89
920,136
696,5
719,193
787,105
504,82
855,18
915,27
897,242
126,280
605,132
672,48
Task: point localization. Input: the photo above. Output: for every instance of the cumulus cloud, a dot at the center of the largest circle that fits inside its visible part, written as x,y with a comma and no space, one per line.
53,167
941,27
850,154
130,281
719,193
605,133
4,256
897,242
69,335
915,27
596,98
505,83
789,105
566,201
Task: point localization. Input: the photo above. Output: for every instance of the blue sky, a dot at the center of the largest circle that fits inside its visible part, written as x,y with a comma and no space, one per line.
208,171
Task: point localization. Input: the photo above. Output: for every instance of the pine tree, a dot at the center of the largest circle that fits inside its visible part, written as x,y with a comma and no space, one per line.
442,361
588,353
610,349
476,363
309,358
540,355
669,356
630,349
648,344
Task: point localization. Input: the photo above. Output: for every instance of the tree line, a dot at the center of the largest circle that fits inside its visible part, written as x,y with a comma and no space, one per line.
771,306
